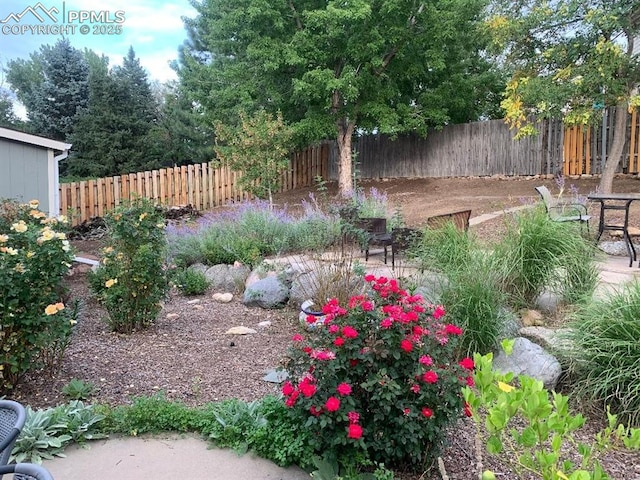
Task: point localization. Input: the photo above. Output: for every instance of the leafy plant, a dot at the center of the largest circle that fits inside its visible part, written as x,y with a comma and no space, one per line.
378,380
258,148
534,429
34,258
191,282
131,279
154,414
46,433
78,390
602,344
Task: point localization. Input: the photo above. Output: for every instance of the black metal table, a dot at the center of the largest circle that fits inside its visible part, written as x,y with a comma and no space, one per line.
616,201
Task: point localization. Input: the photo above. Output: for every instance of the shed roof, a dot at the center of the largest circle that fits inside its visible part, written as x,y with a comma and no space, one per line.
33,139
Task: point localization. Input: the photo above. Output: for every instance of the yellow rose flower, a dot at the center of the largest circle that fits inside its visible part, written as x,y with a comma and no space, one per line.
19,268
111,282
9,250
19,226
30,254
34,204
37,214
61,236
62,219
51,310
142,216
60,306
65,245
4,238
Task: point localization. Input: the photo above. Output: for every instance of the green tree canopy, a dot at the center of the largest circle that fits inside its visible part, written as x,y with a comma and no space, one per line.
334,67
569,59
53,86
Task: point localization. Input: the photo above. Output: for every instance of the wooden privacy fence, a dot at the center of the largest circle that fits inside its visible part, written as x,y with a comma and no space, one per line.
586,147
201,185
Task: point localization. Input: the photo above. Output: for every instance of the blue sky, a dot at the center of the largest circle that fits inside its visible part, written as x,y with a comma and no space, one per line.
153,27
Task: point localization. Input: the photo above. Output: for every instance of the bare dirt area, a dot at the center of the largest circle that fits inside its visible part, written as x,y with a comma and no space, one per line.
188,356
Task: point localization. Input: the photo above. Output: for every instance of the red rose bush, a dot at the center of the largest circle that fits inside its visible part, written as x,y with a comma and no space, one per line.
377,380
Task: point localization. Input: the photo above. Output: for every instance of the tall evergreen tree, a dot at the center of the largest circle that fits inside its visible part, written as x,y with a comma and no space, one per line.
53,85
8,118
112,135
179,136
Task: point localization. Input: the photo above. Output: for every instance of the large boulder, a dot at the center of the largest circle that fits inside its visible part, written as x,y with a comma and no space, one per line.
268,292
528,358
227,278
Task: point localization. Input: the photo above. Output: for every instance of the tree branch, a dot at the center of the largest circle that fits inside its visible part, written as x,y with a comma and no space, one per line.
411,23
296,16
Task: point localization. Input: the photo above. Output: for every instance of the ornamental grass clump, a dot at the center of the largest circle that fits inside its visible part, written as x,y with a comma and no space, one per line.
378,380
35,324
131,279
602,344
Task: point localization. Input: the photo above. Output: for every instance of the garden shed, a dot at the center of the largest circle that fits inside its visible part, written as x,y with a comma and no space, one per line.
29,166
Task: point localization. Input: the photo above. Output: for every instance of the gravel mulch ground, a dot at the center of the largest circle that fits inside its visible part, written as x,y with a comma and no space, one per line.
187,354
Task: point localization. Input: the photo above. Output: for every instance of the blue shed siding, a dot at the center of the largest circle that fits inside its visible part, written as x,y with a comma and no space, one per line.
24,172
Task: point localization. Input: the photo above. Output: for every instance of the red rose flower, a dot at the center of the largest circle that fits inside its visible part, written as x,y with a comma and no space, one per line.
334,328
467,363
386,323
355,431
297,338
369,278
415,388
332,404
406,345
427,412
354,417
438,313
470,382
338,342
430,377
349,332
425,360
315,411
452,329
287,389
367,306
344,389
307,389
291,401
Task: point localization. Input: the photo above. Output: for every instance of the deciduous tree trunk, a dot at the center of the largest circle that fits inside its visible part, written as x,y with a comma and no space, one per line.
617,145
345,171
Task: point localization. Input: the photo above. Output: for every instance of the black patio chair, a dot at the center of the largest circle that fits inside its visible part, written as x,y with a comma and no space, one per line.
375,235
12,418
26,471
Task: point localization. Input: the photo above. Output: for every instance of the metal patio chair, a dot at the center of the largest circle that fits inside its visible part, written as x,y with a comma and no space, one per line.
12,418
25,471
563,211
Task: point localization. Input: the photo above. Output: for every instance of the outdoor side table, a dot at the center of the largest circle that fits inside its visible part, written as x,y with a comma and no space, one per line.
616,201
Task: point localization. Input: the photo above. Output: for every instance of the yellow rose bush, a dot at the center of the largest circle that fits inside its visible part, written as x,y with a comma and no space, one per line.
131,279
36,325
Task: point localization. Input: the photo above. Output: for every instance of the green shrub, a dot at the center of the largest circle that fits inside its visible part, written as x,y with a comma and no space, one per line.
34,258
537,252
191,282
603,345
378,380
534,430
274,440
131,279
154,414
